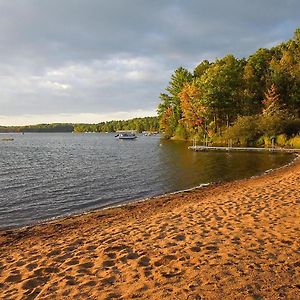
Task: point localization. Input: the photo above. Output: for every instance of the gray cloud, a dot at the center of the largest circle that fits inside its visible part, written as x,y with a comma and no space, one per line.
93,56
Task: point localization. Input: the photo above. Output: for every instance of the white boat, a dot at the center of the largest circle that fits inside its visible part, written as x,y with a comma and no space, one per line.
126,136
149,133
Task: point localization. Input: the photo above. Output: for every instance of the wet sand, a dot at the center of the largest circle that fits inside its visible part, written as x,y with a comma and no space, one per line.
237,240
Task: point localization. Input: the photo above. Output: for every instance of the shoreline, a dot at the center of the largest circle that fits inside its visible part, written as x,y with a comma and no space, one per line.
229,240
141,200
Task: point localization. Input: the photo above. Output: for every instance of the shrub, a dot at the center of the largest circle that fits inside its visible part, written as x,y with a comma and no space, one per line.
260,141
218,140
181,133
295,141
266,141
271,125
281,140
245,131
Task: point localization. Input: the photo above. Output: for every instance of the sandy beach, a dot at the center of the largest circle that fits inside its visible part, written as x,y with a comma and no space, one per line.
237,240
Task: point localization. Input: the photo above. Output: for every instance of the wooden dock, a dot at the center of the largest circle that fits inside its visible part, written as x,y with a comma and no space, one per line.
245,149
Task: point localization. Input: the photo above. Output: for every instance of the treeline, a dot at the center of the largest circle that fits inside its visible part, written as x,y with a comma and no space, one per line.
245,100
54,127
138,124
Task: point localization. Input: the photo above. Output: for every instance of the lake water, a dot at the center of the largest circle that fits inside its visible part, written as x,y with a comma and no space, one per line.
48,175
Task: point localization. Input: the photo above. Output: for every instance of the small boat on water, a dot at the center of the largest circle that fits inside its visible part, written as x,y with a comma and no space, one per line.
126,136
7,139
149,133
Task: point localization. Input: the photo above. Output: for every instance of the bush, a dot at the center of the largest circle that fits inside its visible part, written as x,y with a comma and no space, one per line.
266,141
261,141
271,125
295,142
180,133
218,140
281,140
245,131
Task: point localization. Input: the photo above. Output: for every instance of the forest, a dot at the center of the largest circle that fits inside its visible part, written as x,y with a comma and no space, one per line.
247,101
138,124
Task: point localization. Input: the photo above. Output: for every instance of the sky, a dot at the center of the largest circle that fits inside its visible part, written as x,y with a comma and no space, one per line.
87,61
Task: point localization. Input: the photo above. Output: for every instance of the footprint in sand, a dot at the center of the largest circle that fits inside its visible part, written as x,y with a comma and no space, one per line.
31,266
108,281
13,278
179,237
72,262
144,261
34,282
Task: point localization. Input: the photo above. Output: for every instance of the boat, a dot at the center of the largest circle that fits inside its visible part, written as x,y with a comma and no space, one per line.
126,136
7,139
149,133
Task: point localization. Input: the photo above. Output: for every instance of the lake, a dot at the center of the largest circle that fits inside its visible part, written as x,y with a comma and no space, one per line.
43,176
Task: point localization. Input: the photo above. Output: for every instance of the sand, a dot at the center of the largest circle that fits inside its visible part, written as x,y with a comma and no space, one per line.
237,240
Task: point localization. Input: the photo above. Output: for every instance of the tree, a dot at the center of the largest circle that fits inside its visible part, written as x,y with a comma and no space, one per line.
193,110
250,99
271,101
170,105
266,86
272,120
201,68
259,63
221,86
168,122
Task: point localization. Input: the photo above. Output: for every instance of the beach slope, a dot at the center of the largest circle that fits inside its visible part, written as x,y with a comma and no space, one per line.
237,240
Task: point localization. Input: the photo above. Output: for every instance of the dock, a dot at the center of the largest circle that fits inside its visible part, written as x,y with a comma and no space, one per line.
245,149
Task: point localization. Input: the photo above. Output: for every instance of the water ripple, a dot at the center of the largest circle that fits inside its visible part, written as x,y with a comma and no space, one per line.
43,176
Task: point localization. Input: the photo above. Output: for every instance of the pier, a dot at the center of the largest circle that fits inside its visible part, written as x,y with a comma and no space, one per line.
249,149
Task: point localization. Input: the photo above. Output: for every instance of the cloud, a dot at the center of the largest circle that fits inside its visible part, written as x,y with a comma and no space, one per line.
103,86
55,85
97,56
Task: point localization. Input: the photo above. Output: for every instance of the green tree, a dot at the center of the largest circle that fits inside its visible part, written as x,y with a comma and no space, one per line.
221,86
201,68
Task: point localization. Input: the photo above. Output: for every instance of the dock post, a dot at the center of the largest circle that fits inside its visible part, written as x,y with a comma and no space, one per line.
272,143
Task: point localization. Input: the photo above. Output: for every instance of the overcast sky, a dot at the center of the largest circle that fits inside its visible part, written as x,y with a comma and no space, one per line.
97,60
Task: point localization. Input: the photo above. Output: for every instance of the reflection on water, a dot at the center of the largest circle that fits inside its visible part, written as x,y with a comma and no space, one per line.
187,168
49,175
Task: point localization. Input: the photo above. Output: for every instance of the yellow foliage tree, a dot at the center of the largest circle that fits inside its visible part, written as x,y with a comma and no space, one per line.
193,111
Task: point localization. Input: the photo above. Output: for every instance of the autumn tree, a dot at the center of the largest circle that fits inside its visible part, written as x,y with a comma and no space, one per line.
271,101
193,110
226,90
170,102
168,122
272,120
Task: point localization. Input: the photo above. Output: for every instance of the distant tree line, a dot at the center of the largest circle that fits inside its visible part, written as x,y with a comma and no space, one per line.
245,100
138,124
54,127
